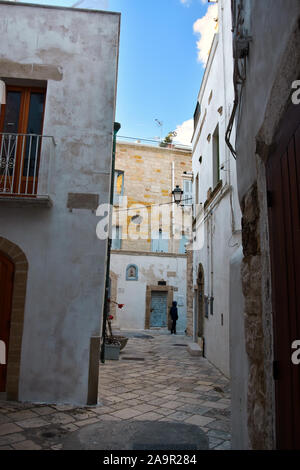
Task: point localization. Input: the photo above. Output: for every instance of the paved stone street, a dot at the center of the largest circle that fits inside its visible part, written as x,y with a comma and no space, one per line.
155,380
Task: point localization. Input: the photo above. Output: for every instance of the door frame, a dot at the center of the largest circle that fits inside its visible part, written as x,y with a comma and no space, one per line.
169,290
8,294
289,125
18,258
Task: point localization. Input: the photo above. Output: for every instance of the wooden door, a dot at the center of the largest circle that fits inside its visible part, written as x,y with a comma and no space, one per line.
159,302
283,185
21,126
6,290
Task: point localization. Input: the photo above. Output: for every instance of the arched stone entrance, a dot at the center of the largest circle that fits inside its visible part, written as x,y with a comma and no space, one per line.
16,256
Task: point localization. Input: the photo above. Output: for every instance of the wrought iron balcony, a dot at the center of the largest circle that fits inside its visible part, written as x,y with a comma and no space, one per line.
25,165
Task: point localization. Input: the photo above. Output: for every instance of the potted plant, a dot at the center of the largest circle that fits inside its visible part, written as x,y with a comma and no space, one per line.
114,343
112,348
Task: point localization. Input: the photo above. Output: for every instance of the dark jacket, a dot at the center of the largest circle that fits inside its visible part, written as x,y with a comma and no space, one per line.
174,311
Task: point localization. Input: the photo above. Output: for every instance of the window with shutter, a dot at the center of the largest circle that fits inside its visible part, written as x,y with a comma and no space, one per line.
159,242
182,246
187,193
118,186
116,236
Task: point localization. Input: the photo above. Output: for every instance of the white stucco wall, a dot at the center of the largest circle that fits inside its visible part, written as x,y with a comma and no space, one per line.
271,26
152,268
219,226
66,260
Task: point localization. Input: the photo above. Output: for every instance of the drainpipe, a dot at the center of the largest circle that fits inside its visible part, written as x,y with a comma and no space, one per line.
117,127
173,208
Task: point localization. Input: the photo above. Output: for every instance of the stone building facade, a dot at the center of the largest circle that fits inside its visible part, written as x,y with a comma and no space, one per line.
267,64
150,233
59,66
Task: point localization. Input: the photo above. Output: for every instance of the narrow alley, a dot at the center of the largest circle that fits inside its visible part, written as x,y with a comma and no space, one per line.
155,380
149,227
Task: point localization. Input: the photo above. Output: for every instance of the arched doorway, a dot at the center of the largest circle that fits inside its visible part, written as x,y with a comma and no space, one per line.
200,301
13,283
6,291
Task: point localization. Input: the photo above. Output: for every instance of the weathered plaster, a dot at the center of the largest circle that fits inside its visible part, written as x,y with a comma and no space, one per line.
152,269
76,51
217,228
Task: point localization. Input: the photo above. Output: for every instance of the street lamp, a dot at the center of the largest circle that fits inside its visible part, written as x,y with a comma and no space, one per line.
177,193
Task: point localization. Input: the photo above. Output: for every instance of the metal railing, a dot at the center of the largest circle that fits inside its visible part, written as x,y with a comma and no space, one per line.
154,143
25,164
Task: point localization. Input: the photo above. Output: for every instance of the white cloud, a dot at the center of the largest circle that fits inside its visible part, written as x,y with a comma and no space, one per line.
206,27
184,132
186,3
91,4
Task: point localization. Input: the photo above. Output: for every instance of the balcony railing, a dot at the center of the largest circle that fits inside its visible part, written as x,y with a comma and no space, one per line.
25,164
154,143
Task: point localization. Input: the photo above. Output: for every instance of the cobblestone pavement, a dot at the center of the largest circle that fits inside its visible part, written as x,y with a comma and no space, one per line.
155,380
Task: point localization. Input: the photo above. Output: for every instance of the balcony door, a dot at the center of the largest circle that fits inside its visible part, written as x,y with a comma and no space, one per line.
21,126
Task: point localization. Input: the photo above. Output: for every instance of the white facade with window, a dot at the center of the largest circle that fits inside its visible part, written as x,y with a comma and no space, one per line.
150,233
217,217
151,268
62,62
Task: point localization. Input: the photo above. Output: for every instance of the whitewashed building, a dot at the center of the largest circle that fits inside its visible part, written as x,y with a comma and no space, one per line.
217,216
59,66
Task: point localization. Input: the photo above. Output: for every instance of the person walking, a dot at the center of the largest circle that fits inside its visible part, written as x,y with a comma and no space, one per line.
174,316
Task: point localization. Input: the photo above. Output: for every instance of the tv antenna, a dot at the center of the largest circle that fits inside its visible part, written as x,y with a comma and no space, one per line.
160,125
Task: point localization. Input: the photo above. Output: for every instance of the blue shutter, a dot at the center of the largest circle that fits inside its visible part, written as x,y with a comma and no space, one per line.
163,243
187,193
154,242
183,241
116,238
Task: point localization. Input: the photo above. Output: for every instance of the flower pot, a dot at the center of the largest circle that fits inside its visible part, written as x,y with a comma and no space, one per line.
112,352
122,340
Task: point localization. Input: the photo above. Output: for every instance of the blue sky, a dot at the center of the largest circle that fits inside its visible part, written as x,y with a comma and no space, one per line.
159,74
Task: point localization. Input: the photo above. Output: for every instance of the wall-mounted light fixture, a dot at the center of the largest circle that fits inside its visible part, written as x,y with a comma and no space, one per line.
177,194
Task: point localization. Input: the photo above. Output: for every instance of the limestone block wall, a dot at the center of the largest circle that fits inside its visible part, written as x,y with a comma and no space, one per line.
148,181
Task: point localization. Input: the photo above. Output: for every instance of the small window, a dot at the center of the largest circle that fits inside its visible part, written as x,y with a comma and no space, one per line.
206,306
197,115
160,242
197,189
187,193
132,273
183,242
216,157
118,186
